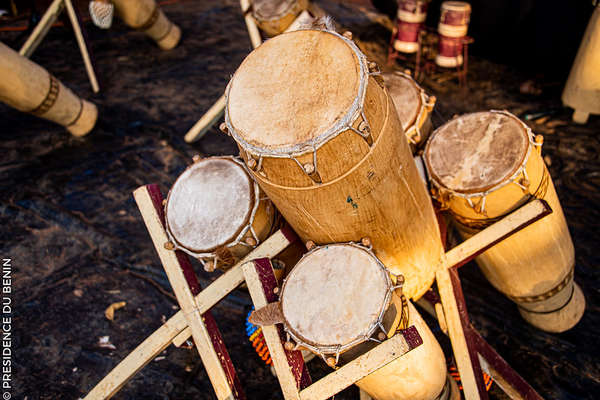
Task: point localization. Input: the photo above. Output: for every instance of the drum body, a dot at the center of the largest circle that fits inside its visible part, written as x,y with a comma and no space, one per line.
452,28
26,86
274,17
413,105
411,16
323,140
215,213
484,166
360,296
146,16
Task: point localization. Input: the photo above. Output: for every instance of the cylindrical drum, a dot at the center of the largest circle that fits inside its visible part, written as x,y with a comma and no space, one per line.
582,91
216,213
146,16
411,16
320,135
26,86
413,105
485,165
452,28
275,16
362,308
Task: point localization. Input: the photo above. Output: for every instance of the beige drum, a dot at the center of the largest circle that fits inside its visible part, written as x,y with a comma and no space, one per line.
339,301
216,213
319,133
413,105
275,16
485,165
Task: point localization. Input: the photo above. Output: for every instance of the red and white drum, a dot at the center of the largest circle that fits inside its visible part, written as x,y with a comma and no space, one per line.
339,301
411,16
216,213
452,29
413,105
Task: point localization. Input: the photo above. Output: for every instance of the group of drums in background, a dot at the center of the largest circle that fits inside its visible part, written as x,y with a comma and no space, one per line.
348,157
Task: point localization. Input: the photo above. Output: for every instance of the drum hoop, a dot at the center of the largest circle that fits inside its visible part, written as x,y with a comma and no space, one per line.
211,254
324,350
413,130
287,11
508,180
342,125
460,6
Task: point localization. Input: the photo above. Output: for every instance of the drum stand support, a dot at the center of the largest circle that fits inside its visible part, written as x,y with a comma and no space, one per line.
41,30
471,351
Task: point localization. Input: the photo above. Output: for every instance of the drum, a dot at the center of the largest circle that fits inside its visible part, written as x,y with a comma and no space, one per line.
26,86
275,16
320,135
485,165
411,16
413,105
146,16
216,213
363,308
452,28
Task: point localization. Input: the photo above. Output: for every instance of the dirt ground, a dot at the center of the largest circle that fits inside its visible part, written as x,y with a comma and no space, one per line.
78,244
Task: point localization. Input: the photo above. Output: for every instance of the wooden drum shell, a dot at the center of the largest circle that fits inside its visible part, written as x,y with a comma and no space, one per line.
380,196
28,87
275,26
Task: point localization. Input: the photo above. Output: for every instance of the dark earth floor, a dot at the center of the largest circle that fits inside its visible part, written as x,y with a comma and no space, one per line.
78,244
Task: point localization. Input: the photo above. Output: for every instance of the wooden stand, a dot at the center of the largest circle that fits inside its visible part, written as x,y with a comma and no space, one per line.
42,28
470,349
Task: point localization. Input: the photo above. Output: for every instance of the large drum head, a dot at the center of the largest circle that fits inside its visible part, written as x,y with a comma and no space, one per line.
209,204
475,152
271,9
294,89
334,295
406,96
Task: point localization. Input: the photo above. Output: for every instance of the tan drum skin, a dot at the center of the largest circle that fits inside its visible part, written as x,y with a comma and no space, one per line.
146,16
26,86
275,24
365,191
262,224
413,105
533,267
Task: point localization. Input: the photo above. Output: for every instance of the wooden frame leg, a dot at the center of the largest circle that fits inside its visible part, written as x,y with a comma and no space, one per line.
41,29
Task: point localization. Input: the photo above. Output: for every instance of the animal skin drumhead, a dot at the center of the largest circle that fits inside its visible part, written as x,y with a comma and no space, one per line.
406,97
334,295
475,152
270,9
209,204
293,88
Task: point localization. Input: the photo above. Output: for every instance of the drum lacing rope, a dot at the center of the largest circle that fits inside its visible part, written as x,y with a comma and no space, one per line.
213,256
479,207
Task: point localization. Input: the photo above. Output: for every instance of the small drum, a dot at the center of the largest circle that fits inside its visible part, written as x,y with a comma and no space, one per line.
413,105
216,213
453,26
411,16
340,301
485,165
275,16
319,133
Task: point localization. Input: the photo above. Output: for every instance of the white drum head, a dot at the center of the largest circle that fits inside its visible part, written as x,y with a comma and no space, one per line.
475,152
334,295
209,204
406,96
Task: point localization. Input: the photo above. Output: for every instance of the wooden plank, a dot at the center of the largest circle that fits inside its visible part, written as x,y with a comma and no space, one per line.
358,368
83,46
42,28
483,240
211,117
184,295
250,24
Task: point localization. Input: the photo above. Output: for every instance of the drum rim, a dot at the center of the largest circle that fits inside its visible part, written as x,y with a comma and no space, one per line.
341,125
239,233
323,350
483,191
287,11
454,5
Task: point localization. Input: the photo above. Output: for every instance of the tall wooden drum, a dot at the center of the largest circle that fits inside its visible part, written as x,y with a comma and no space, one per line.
363,307
485,165
216,213
275,16
452,29
413,105
320,135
